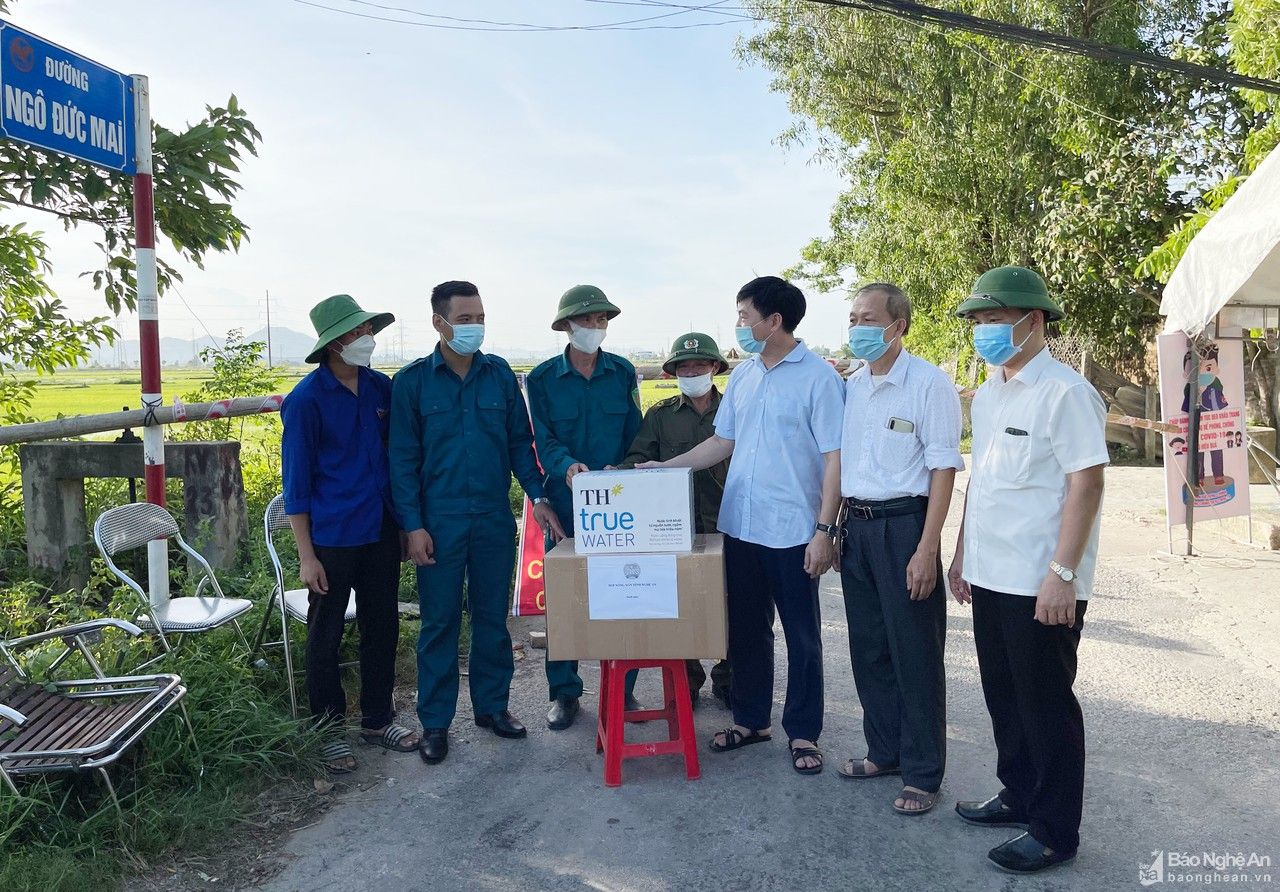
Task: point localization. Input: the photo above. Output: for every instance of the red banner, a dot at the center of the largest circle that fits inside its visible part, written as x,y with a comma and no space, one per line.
529,599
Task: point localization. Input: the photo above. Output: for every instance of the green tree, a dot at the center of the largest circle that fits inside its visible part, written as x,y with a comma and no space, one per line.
962,152
238,370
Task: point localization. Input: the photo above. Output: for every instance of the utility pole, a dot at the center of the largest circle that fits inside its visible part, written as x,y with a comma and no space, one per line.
268,291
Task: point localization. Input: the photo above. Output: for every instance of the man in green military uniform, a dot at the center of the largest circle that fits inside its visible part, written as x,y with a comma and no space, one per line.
459,431
585,406
673,427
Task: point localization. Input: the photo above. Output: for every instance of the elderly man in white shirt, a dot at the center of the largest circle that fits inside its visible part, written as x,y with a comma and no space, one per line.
780,419
1025,559
899,456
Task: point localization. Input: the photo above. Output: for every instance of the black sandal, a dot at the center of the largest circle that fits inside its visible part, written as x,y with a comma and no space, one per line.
801,752
735,739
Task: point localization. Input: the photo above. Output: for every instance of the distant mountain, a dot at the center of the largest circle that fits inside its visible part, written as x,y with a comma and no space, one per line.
287,346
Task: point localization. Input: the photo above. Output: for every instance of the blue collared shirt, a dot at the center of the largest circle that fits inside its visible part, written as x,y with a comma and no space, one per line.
576,419
455,442
782,421
334,456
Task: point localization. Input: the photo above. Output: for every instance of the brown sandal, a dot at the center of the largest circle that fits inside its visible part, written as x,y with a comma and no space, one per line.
856,769
926,800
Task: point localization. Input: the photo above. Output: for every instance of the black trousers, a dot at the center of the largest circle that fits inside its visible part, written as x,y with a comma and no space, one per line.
373,572
1028,670
896,647
759,579
721,676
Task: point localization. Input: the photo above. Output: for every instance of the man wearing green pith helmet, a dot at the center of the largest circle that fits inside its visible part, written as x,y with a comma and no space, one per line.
1025,559
585,405
673,427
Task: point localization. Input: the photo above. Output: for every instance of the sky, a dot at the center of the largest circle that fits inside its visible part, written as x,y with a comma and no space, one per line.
397,156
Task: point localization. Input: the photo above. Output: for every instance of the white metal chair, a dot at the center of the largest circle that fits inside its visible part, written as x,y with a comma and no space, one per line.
134,525
291,604
80,724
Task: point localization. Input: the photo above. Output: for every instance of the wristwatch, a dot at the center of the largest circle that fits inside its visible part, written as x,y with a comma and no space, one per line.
541,500
1066,574
829,528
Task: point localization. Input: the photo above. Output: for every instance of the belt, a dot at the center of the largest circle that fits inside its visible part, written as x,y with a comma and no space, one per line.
866,509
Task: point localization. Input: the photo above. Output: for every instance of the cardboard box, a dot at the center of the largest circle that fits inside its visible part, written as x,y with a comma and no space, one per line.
698,629
633,512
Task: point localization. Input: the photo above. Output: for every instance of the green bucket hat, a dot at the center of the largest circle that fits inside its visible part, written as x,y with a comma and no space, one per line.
1009,286
694,345
335,316
578,301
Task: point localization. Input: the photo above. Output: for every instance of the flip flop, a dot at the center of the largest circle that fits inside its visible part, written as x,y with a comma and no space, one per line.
334,751
801,752
856,769
393,737
927,800
735,739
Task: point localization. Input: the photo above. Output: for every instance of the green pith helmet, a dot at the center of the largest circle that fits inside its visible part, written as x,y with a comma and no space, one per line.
335,316
580,300
1009,286
694,345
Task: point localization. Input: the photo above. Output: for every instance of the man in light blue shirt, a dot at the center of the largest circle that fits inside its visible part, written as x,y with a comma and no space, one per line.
780,418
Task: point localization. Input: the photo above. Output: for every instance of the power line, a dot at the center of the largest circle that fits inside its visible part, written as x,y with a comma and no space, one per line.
484,25
1077,46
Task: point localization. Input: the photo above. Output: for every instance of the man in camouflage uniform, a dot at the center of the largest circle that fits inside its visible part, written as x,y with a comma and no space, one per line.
673,427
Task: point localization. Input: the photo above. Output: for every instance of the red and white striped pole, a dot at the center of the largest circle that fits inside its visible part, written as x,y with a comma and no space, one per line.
144,229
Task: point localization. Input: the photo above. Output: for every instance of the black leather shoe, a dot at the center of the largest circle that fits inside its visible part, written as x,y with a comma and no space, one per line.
504,724
992,813
562,713
1026,854
434,746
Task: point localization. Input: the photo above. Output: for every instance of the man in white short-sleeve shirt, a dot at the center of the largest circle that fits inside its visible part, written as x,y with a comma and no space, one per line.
1025,559
780,419
899,457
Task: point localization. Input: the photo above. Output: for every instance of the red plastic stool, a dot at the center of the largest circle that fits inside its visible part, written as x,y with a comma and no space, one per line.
677,712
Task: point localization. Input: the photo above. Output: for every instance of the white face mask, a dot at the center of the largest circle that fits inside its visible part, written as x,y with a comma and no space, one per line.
359,352
586,340
695,385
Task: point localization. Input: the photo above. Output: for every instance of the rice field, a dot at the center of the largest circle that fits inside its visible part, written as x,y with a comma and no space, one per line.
91,392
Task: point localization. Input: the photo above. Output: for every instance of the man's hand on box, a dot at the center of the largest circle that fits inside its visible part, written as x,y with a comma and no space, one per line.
818,555
645,465
422,549
546,517
574,470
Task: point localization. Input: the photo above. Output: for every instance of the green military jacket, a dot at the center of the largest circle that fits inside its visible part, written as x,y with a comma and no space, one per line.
673,427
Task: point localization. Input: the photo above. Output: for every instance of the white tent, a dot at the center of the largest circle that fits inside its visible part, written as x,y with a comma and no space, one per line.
1233,265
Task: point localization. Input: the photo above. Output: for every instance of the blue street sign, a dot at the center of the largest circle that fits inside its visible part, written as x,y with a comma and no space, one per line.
58,100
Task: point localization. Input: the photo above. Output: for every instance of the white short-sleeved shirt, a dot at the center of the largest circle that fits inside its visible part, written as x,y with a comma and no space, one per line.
1029,433
877,463
782,420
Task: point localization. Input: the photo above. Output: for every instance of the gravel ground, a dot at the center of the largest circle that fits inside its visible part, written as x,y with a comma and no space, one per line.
1180,684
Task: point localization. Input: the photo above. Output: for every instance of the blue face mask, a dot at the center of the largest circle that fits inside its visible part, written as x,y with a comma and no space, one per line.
1206,378
994,341
867,341
747,339
467,338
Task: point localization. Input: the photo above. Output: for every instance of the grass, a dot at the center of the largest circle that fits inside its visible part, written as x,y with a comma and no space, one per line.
62,831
